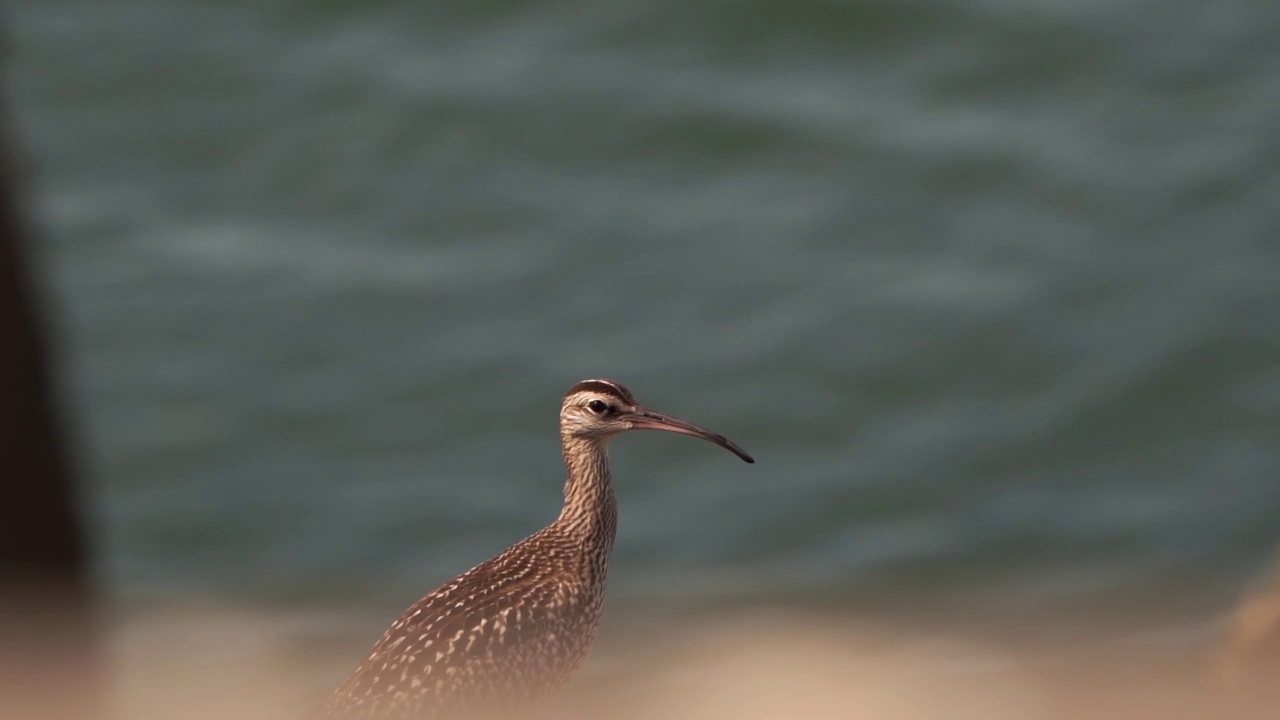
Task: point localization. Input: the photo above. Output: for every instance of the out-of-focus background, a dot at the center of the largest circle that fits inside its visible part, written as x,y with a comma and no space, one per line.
990,289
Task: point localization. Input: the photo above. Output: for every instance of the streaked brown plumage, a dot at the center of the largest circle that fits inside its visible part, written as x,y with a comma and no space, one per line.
514,628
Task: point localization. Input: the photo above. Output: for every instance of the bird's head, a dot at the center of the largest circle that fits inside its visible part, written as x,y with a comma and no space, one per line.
600,409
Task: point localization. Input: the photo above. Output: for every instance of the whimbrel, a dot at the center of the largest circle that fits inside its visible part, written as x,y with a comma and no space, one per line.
514,628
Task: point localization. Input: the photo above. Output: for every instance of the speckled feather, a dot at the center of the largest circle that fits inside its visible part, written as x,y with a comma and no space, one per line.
510,629
514,628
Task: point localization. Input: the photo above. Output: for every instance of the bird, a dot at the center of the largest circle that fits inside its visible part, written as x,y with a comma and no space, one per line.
509,632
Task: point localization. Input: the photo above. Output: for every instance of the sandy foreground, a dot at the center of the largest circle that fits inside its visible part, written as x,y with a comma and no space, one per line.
197,663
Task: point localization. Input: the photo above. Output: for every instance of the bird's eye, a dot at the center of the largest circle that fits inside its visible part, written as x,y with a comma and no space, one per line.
597,406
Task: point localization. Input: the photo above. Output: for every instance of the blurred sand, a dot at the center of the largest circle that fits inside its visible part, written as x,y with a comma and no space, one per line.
1249,653
198,663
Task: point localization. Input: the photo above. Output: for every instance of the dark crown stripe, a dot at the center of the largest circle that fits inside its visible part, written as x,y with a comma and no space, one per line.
604,387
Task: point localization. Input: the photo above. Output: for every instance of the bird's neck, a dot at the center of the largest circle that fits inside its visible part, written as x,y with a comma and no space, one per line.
590,510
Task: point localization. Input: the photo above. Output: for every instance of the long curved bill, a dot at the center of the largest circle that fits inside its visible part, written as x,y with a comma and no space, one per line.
645,419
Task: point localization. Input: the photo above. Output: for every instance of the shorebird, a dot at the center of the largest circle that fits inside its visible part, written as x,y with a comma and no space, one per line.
511,630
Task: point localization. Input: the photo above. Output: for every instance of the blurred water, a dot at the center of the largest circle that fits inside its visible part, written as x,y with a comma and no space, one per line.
989,289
